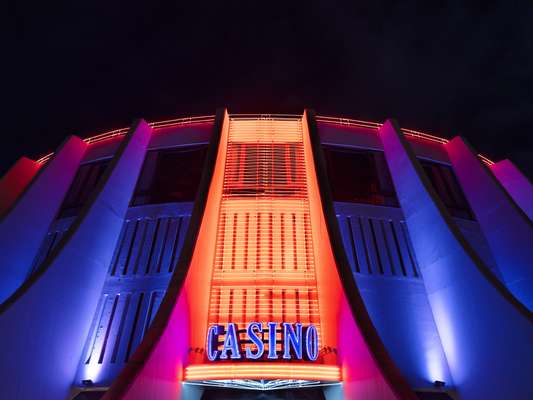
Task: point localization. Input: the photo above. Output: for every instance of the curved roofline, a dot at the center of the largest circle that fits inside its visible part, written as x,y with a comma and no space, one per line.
377,125
155,125
210,118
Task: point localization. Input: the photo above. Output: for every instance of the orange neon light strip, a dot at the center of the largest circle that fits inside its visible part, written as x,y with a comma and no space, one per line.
264,370
156,125
377,125
254,117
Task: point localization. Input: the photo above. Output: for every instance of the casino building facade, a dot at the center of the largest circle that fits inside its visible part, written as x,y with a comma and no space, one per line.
265,256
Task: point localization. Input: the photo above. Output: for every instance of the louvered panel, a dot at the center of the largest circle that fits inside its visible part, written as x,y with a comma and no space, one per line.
122,323
274,169
378,246
150,238
171,237
370,247
392,252
133,261
149,246
355,254
360,244
155,301
153,247
123,251
157,245
146,253
91,340
118,334
115,323
139,324
134,312
102,332
118,248
184,225
409,249
382,246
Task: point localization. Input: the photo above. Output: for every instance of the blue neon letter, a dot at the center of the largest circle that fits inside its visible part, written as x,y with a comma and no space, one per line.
212,342
256,340
294,338
231,342
311,343
272,326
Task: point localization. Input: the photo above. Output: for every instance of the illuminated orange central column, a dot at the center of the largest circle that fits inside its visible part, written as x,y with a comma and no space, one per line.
262,253
264,267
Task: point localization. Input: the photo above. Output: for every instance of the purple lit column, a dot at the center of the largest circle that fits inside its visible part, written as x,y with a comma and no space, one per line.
45,323
15,181
507,229
23,228
485,332
516,184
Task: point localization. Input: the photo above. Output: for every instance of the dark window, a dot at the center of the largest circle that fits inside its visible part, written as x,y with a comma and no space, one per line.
359,176
170,175
83,185
448,189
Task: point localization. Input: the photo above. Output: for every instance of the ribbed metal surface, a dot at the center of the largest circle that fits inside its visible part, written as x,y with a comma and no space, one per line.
378,246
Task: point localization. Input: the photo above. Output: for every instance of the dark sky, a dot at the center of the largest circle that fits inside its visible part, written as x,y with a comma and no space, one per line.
83,67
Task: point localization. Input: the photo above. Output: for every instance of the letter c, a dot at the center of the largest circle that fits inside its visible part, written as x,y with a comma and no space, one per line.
212,342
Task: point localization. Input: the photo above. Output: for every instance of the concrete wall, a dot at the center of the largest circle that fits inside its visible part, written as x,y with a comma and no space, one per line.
485,332
516,183
145,256
25,225
508,230
387,276
45,323
15,181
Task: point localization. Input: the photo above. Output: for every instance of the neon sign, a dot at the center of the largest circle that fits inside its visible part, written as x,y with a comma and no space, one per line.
297,342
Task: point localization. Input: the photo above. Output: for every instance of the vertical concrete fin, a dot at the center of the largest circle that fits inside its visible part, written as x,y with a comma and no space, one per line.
516,183
45,322
506,227
356,325
486,357
155,369
15,181
25,224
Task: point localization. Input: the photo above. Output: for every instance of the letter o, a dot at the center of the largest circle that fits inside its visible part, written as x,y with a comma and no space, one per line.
311,343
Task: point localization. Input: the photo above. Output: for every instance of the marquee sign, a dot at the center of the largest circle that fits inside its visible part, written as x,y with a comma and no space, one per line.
297,342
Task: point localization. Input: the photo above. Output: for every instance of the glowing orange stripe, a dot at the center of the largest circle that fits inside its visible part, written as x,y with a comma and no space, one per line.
485,159
263,371
252,118
122,131
377,125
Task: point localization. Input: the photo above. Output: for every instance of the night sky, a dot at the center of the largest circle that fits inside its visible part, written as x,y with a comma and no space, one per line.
82,67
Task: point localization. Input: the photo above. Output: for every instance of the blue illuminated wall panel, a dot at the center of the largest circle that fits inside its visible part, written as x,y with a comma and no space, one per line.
147,251
384,265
